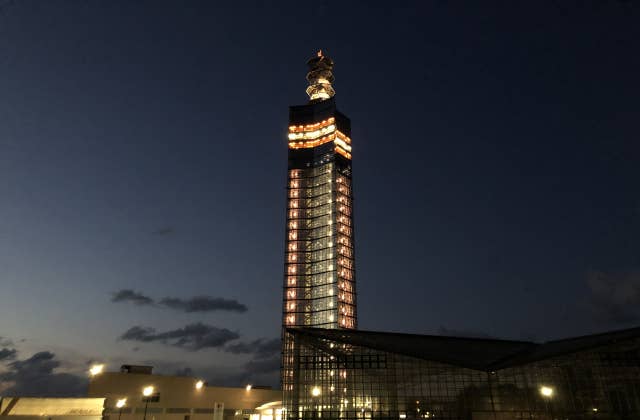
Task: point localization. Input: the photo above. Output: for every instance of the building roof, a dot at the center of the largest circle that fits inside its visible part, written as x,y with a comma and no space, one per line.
484,354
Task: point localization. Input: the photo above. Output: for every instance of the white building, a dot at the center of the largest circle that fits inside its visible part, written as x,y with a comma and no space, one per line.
145,396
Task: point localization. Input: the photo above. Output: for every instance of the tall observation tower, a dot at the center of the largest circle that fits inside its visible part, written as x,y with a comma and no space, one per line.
319,281
319,269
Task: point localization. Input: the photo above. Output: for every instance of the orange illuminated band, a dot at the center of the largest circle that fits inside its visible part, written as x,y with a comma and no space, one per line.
311,127
313,134
343,152
341,141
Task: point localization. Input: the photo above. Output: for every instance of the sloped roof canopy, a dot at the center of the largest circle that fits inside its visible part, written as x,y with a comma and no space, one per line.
473,353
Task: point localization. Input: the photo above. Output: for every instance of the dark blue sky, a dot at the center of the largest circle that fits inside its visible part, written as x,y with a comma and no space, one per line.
143,148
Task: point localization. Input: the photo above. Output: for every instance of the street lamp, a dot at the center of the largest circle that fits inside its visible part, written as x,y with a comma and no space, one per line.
121,403
147,392
315,393
546,391
96,370
248,387
199,384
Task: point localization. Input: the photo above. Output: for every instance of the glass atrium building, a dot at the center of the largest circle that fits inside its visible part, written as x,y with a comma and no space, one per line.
343,374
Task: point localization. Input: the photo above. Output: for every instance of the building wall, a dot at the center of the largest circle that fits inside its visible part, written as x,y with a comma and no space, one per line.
335,380
51,408
178,398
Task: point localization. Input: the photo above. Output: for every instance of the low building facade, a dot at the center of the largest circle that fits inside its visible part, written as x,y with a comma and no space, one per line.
27,408
179,398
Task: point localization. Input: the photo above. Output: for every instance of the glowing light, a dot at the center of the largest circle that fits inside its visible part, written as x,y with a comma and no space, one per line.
147,391
96,370
121,402
315,391
199,385
248,387
546,391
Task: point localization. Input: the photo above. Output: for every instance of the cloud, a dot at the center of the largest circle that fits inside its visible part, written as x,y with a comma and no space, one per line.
203,304
185,371
193,337
263,366
128,295
615,297
260,348
5,342
163,231
35,376
7,354
462,333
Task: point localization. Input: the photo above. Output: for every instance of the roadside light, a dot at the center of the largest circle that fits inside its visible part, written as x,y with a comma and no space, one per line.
248,387
199,385
121,402
546,391
147,391
96,370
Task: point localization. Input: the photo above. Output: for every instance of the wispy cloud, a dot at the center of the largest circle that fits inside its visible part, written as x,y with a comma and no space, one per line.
203,304
163,231
615,297
263,366
6,342
196,336
128,295
260,348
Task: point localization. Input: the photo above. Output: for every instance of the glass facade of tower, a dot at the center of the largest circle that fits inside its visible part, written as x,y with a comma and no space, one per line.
319,287
319,272
362,375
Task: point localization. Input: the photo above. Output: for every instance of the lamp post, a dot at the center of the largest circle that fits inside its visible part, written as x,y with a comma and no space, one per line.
315,393
147,392
547,393
120,403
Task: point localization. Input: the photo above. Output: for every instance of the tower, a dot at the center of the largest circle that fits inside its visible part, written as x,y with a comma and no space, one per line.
319,279
319,269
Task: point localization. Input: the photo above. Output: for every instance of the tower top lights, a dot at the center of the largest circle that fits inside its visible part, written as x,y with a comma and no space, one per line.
320,77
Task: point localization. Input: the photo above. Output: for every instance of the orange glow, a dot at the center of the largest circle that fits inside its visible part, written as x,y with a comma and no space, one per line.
311,127
343,152
342,137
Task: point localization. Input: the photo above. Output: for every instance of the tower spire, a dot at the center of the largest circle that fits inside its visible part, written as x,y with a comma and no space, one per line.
320,77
